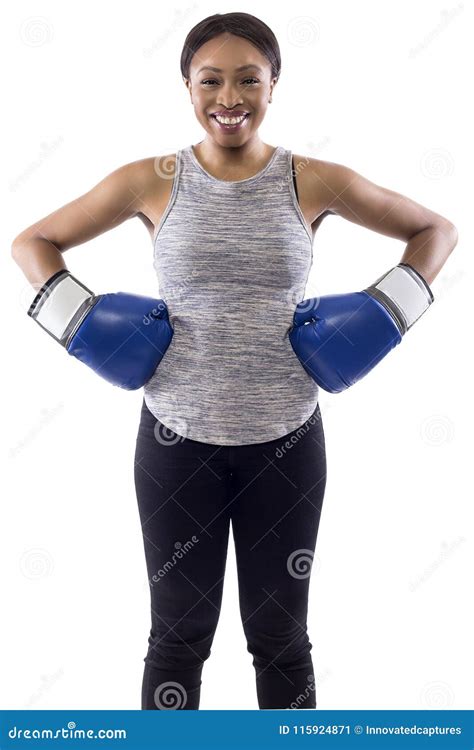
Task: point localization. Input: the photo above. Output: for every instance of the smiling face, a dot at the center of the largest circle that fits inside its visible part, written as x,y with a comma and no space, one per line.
231,77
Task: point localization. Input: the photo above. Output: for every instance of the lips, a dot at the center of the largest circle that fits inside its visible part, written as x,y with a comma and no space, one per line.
234,113
231,128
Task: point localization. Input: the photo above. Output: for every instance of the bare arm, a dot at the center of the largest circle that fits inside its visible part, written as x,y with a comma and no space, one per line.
430,237
38,250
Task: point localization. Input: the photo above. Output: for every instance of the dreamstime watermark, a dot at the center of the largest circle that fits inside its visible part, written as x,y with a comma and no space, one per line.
36,31
180,17
437,695
297,434
164,166
69,732
299,167
303,697
299,563
170,428
36,563
159,312
316,148
178,293
181,551
311,688
436,430
47,682
447,282
437,163
170,696
47,150
303,164
47,415
446,552
303,31
446,17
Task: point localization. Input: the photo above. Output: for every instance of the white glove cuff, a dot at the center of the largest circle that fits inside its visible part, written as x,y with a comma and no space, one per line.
60,305
405,292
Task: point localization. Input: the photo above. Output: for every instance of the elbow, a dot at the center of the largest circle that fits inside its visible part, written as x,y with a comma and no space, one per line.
453,233
17,245
16,249
450,230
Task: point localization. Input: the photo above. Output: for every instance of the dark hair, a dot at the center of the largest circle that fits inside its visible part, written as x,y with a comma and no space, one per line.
241,24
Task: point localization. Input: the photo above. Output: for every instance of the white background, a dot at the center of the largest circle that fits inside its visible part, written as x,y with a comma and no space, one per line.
380,87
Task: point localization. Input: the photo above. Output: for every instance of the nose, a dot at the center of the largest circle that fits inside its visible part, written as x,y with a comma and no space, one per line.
229,97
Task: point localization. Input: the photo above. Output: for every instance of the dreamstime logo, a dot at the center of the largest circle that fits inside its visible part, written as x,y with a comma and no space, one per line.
303,696
47,149
47,415
298,433
446,282
436,430
35,31
47,683
447,17
300,167
72,731
303,31
316,148
180,18
36,563
170,696
181,551
299,563
437,163
446,551
174,431
156,312
177,293
292,297
164,166
307,306
437,695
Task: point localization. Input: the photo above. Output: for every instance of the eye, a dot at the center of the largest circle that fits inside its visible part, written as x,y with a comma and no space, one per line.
213,80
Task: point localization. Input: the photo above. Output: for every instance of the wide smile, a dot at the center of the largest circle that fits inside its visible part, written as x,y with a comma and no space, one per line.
230,127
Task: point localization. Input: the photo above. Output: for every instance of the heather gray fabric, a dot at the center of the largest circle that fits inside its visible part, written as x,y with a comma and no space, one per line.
232,261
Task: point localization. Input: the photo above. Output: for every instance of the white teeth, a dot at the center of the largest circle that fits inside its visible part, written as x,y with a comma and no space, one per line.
230,120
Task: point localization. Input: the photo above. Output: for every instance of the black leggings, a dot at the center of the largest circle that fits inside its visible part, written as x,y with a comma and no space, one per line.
188,492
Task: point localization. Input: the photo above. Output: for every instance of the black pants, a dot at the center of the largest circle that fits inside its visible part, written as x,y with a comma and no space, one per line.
188,492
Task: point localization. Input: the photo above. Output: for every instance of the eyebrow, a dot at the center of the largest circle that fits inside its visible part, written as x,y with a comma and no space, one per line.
219,70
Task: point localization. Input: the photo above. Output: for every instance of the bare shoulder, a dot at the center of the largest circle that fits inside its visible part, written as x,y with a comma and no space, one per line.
316,184
321,180
153,177
152,172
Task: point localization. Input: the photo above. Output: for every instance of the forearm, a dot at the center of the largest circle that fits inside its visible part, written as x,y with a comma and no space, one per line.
39,259
428,250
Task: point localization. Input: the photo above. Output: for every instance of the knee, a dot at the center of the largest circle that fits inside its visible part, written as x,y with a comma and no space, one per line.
178,650
283,647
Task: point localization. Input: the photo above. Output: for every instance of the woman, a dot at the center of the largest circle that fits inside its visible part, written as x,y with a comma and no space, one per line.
230,428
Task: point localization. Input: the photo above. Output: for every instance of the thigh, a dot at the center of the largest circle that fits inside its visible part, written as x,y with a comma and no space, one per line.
277,497
182,491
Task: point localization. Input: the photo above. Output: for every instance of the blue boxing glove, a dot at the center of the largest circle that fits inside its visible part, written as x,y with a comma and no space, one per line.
121,336
341,337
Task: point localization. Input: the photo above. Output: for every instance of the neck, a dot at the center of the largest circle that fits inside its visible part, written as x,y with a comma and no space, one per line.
215,156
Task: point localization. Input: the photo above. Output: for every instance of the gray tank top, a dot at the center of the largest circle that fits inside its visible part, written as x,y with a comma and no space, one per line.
232,260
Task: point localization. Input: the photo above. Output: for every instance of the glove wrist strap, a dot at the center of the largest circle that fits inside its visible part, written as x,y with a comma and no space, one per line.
404,292
60,305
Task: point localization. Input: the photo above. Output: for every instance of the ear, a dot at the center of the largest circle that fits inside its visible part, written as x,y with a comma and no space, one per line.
273,83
